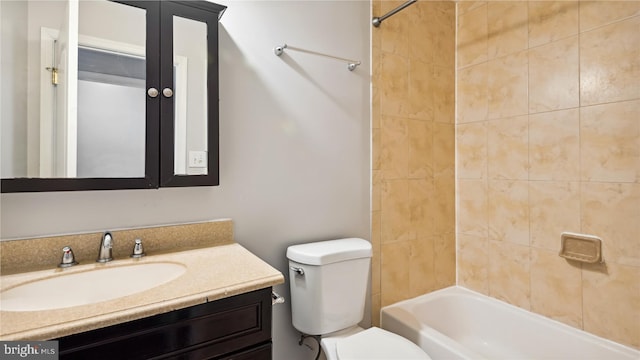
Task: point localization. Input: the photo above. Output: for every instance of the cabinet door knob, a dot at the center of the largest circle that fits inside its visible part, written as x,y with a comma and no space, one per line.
152,92
167,92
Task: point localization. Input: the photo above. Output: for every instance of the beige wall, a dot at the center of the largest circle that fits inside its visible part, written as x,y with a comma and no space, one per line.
548,140
413,217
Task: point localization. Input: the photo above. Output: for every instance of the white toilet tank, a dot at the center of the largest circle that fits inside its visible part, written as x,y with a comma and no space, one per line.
328,282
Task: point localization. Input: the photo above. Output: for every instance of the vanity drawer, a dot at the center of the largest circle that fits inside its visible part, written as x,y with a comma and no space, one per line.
216,330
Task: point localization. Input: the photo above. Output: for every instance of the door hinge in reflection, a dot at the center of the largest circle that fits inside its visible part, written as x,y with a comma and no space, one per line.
54,75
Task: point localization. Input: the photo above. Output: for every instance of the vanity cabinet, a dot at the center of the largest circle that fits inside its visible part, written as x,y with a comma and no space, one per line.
237,328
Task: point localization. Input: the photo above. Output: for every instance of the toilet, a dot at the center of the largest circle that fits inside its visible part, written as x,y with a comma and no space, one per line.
328,282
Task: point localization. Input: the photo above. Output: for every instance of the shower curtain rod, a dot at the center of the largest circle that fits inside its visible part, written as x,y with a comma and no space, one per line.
378,20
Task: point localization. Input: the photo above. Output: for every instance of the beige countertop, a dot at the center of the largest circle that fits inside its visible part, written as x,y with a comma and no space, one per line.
211,273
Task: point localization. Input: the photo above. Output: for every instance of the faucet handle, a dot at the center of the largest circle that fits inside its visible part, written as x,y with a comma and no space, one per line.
138,250
67,258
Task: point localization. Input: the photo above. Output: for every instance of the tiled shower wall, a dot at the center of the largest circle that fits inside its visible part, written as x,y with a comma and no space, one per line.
548,140
413,211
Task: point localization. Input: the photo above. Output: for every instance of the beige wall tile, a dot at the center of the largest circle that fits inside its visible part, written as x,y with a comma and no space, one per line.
611,302
472,150
394,36
553,76
598,13
376,245
375,107
420,90
394,149
509,273
507,86
375,273
394,278
395,221
421,204
414,111
376,190
443,33
507,150
420,136
467,5
554,145
473,262
472,99
472,36
422,275
611,211
420,32
376,134
609,143
376,73
509,211
581,171
444,213
554,207
394,85
610,63
444,80
556,287
444,149
375,309
472,209
376,220
507,26
445,261
376,6
552,20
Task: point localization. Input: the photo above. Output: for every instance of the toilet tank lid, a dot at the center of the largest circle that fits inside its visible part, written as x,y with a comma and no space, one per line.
330,251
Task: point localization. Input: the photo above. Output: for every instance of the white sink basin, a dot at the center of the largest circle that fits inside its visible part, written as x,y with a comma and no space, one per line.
88,287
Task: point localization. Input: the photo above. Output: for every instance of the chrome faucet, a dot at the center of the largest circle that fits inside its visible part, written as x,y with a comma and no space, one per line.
104,253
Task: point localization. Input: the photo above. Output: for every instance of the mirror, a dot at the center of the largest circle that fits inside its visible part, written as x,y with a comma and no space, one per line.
111,84
76,102
190,77
84,85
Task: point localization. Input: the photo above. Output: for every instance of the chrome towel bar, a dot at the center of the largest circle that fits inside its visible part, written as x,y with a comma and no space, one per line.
351,64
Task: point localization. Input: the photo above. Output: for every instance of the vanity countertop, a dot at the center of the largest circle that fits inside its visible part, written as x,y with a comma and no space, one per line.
211,273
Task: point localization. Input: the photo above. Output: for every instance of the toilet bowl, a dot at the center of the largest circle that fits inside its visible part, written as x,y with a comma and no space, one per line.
328,281
370,344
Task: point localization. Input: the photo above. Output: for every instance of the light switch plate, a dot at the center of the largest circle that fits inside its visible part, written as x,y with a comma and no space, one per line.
197,159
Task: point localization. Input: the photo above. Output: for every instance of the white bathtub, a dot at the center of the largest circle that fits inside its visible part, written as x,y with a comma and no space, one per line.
456,323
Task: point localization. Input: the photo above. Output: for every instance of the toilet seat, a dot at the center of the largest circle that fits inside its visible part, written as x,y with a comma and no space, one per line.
376,343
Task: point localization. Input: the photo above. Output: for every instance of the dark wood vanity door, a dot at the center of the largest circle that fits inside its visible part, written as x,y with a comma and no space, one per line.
238,328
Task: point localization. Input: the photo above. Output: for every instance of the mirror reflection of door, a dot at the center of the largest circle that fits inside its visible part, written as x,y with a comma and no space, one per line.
92,117
111,90
64,80
111,113
78,109
190,96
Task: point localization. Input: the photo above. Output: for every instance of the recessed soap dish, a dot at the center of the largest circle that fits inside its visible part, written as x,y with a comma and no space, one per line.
580,247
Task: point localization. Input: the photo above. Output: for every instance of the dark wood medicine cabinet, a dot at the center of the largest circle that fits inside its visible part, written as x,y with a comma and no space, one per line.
175,65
